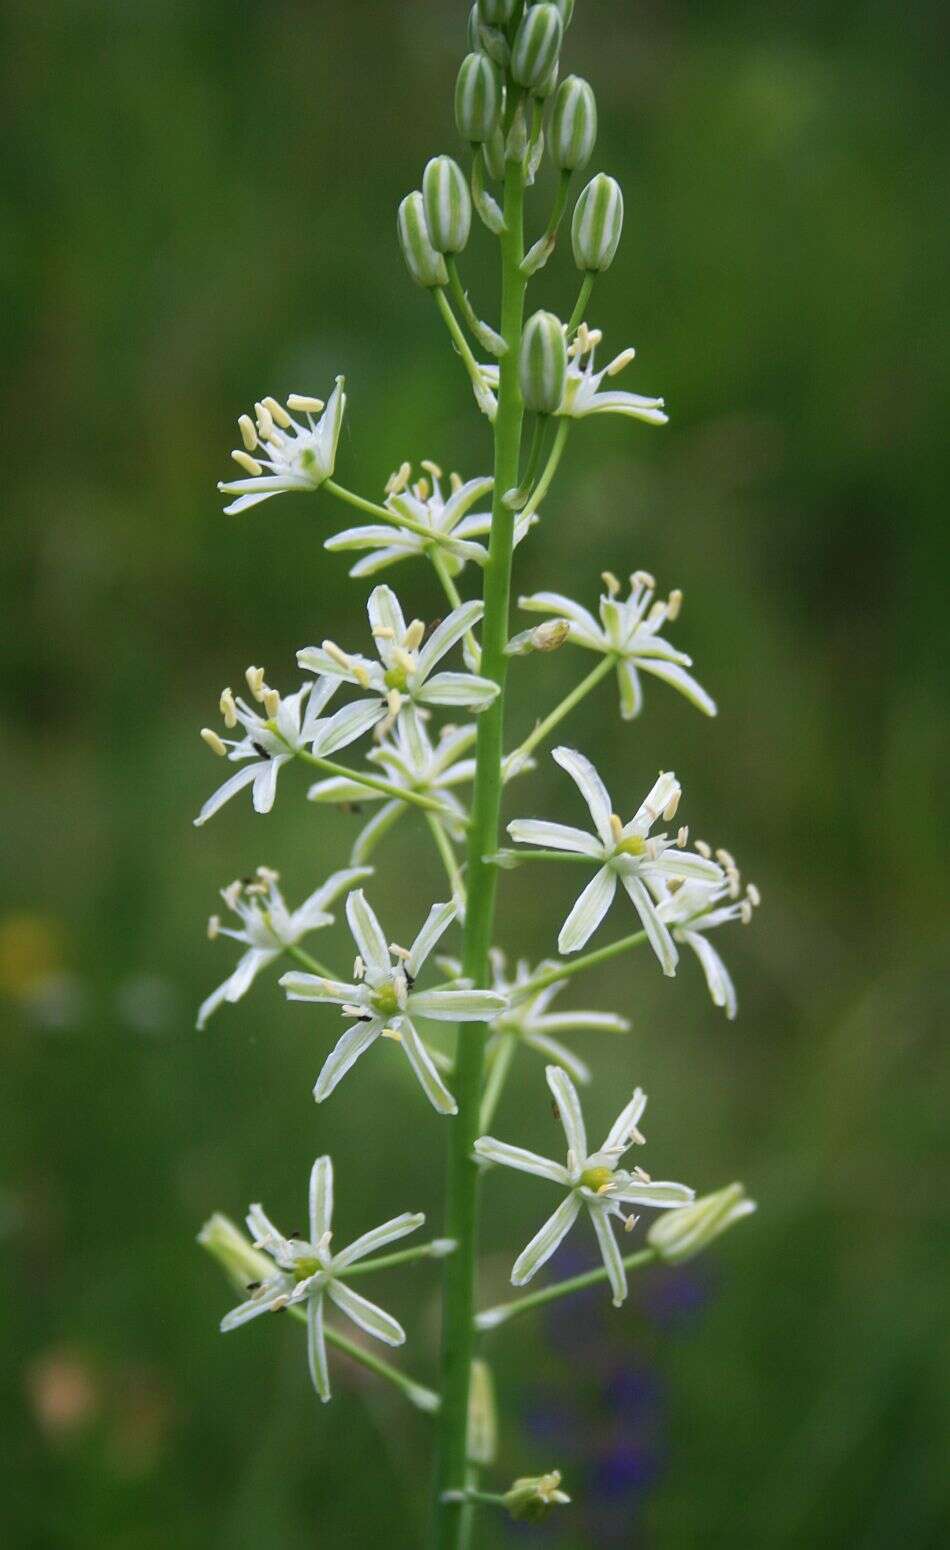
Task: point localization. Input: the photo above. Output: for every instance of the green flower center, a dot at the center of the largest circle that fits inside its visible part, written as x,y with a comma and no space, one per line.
385,1000
305,1267
395,678
634,846
596,1178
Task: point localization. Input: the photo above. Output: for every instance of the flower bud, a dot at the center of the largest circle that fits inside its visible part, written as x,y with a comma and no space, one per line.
494,153
543,364
566,9
597,224
678,1235
482,1419
229,1246
496,13
479,98
447,203
547,86
426,266
536,46
529,1498
573,132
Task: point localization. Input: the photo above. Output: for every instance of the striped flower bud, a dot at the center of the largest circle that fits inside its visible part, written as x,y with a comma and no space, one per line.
597,224
547,86
494,153
496,13
536,46
543,363
448,204
573,132
426,266
479,98
566,9
678,1235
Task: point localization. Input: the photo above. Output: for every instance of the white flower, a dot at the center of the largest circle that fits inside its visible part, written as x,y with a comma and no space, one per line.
623,851
628,632
306,1272
592,1180
582,391
383,1002
299,457
526,1018
403,674
413,762
285,729
268,928
690,909
423,503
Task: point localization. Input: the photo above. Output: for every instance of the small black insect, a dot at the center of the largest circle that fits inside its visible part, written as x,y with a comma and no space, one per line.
410,978
555,1111
259,748
351,807
253,1286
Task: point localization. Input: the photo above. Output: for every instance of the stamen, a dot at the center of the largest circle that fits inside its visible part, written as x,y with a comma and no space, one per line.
630,1223
278,413
455,483
361,675
384,632
228,708
268,876
753,895
232,893
248,433
248,463
214,742
265,423
304,403
341,659
431,468
610,582
392,1033
359,968
414,635
397,482
421,490
704,849
682,836
745,912
350,1009
725,858
214,926
403,659
254,677
620,361
643,578
616,827
669,811
399,952
674,604
642,1175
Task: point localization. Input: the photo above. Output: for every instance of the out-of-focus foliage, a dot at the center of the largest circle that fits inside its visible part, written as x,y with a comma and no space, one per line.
198,208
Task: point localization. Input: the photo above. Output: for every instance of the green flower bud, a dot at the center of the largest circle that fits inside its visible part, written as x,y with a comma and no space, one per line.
536,46
496,13
573,132
472,33
565,7
530,1498
494,153
426,266
448,204
597,224
479,98
678,1235
542,368
547,86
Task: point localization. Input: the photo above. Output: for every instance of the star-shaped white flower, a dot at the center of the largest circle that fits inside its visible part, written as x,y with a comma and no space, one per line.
583,395
628,632
404,675
268,927
690,909
446,518
526,1019
593,1181
624,851
306,1272
287,726
382,1000
298,456
413,762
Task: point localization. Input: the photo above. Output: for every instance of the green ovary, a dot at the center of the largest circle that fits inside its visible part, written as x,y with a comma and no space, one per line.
386,1001
596,1178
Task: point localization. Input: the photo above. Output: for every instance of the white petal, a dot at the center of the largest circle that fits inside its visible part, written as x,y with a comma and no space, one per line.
618,1136
464,1006
252,1309
588,912
555,836
226,792
385,614
657,934
545,1241
659,1193
457,689
347,725
211,1004
718,978
439,919
443,638
372,538
375,1322
248,968
610,1253
372,564
312,987
518,1157
265,783
685,863
347,1051
245,502
321,1198
378,1238
591,788
580,1022
423,1066
569,1111
367,931
664,789
316,1347
631,694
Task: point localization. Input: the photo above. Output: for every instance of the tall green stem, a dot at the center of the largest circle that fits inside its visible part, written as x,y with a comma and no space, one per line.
462,1185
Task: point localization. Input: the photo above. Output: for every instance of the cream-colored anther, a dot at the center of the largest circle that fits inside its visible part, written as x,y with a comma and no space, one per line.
616,828
265,422
455,483
338,656
228,708
413,637
674,604
432,469
214,926
610,582
271,702
214,742
704,849
643,578
397,482
359,968
278,413
620,361
245,461
669,811
682,836
254,678
304,404
248,433
753,895
232,893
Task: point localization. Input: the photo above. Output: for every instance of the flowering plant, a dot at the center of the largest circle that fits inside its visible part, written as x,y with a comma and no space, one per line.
508,107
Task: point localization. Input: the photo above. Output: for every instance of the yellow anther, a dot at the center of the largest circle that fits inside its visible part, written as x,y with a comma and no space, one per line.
245,461
214,926
412,639
610,582
248,433
620,361
455,483
271,702
265,422
421,490
392,1033
616,827
336,655
228,708
674,604
277,412
431,468
669,811
304,404
397,482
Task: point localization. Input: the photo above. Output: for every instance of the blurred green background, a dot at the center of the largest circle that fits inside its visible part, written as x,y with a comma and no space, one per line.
198,208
